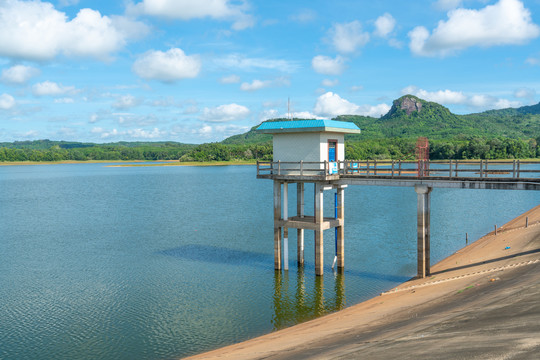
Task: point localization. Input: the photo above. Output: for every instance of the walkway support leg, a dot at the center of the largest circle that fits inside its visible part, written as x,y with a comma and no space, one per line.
277,228
423,229
300,232
285,229
319,253
341,229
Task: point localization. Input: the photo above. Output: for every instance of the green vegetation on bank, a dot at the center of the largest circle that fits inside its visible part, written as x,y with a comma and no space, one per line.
58,151
494,134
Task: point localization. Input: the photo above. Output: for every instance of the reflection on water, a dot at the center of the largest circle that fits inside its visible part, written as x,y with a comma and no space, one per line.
295,304
219,255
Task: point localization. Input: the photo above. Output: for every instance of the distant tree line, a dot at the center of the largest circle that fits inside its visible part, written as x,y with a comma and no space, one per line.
459,149
173,151
388,148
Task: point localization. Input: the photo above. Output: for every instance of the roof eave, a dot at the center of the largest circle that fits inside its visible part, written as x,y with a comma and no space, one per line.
310,129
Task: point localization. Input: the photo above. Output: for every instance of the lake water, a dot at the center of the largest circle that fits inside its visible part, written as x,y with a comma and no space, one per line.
104,262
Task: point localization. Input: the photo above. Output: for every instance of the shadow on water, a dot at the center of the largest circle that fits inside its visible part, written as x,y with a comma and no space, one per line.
222,255
296,305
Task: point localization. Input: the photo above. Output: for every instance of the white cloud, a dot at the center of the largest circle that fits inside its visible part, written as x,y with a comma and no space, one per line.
126,102
189,9
332,105
440,96
68,2
231,79
218,132
19,74
6,102
505,103
35,30
269,114
138,133
525,93
328,66
145,134
303,115
384,25
67,131
304,16
192,109
49,88
445,5
475,101
255,85
507,22
533,61
31,134
225,113
348,37
274,114
259,84
65,100
167,66
330,82
241,62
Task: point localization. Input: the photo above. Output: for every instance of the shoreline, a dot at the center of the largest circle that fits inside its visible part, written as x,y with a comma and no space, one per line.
128,163
493,276
193,163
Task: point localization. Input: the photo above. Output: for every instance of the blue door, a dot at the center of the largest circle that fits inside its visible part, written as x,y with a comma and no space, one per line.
332,145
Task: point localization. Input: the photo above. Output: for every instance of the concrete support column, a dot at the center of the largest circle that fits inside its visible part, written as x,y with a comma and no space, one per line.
341,229
423,229
277,228
300,232
285,229
319,217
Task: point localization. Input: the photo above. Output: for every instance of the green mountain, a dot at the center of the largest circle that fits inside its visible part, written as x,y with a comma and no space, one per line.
250,137
411,117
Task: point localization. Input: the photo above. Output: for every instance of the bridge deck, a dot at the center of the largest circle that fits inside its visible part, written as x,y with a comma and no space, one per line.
481,174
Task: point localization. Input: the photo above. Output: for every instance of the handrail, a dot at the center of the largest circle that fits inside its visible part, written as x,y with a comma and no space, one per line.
451,169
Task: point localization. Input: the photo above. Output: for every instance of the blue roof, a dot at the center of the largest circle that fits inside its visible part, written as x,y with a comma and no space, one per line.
308,126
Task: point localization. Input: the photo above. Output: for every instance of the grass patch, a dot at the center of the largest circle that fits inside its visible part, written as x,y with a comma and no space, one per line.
467,288
191,163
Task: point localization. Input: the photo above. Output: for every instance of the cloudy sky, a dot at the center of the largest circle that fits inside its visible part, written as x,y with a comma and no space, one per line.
198,71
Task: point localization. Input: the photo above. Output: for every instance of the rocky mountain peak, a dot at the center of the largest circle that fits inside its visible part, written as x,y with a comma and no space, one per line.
409,104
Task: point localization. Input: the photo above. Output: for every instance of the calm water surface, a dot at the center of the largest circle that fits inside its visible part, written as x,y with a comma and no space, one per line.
161,262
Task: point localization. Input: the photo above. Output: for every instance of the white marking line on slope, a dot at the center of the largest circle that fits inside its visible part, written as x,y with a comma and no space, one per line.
436,282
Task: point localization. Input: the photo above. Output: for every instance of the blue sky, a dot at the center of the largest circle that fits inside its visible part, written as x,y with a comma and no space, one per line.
199,71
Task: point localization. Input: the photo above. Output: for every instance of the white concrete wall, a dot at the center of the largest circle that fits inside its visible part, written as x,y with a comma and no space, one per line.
297,146
306,146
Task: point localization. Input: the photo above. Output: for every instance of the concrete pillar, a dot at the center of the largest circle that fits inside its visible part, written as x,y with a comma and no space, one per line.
423,229
319,217
341,229
300,232
277,228
285,229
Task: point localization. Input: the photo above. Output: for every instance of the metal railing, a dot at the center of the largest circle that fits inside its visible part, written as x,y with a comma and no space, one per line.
451,169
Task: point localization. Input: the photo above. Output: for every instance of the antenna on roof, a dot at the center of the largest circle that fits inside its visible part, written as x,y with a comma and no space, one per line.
289,109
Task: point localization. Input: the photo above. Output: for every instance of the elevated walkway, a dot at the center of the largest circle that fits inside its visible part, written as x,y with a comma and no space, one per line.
465,174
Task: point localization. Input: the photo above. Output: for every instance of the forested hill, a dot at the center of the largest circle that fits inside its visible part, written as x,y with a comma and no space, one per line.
494,134
506,133
411,117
